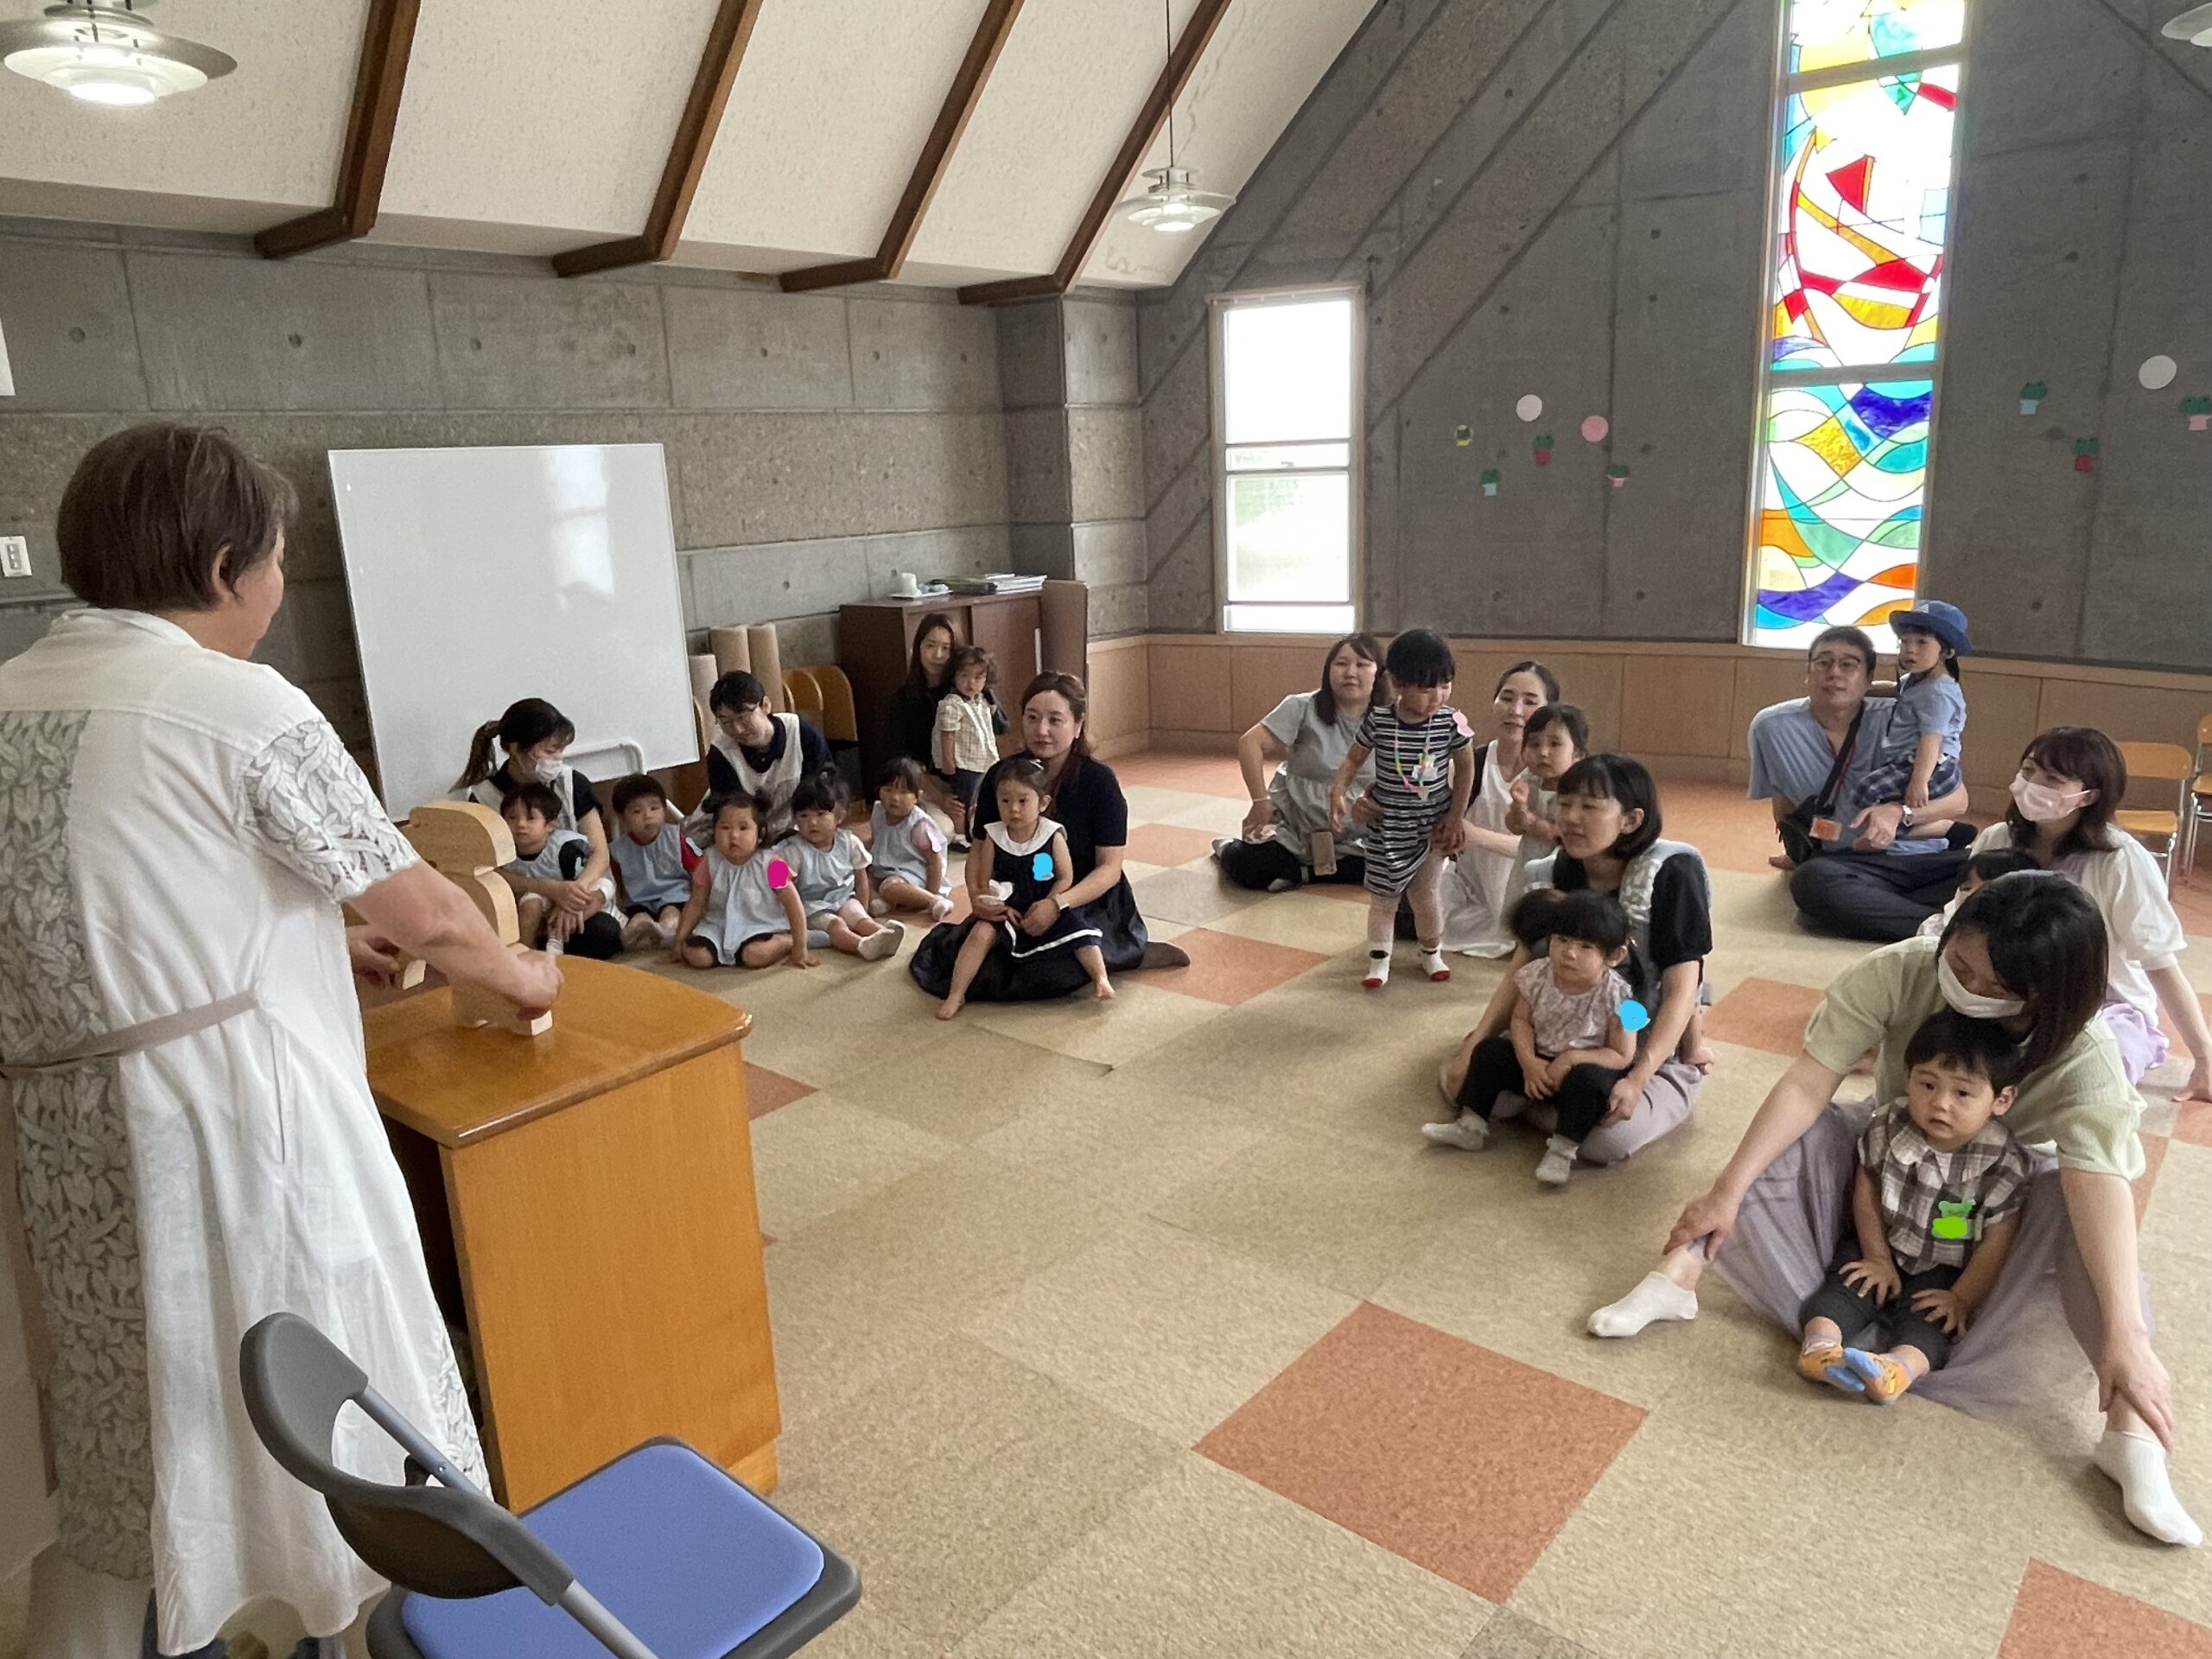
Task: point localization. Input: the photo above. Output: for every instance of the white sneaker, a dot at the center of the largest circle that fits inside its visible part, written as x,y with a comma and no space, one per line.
1467,1132
878,906
640,932
1220,841
884,942
1558,1161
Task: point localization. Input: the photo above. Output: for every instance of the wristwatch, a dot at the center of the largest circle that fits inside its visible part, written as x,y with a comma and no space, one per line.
1904,820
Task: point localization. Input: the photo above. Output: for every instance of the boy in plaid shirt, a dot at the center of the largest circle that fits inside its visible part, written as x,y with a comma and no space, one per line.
1935,1204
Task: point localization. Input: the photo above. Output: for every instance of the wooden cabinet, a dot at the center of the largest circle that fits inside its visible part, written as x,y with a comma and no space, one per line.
587,1209
1027,633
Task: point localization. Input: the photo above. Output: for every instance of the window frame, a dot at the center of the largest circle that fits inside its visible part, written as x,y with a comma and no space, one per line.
1218,305
1783,85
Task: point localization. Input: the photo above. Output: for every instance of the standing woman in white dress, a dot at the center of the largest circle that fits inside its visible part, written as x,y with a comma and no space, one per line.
194,1144
1476,900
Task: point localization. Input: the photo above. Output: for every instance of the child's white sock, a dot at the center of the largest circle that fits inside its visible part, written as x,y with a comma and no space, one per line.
1378,967
940,907
1657,1297
879,905
2146,1489
1558,1161
1433,962
1468,1132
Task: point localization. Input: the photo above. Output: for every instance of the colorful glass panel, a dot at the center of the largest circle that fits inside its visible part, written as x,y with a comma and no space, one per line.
1826,33
1865,188
1843,477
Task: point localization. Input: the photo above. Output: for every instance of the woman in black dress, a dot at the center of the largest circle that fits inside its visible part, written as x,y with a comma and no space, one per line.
1087,801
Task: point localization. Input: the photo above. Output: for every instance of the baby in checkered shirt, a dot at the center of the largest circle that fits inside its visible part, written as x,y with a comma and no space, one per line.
1935,1204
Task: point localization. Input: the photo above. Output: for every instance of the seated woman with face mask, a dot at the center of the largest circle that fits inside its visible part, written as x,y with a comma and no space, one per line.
2027,951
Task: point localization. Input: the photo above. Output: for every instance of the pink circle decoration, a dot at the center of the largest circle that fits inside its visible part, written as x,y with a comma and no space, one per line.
1594,428
780,874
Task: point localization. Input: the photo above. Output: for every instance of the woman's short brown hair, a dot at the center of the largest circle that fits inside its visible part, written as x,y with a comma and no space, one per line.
151,510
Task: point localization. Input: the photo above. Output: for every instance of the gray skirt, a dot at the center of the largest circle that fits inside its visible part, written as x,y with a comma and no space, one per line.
2035,1335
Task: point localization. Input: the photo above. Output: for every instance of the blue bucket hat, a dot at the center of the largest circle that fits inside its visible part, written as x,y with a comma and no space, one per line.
1947,622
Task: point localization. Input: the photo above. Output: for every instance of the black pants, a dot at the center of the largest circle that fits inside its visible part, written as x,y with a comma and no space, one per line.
1260,864
1898,1323
600,938
1884,897
1581,1102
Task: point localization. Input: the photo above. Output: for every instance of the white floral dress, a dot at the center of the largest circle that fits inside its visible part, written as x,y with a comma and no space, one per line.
177,827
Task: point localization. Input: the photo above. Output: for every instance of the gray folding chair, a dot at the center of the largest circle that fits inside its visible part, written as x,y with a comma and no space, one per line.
673,1559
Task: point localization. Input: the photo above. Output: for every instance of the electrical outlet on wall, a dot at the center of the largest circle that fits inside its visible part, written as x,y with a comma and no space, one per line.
14,556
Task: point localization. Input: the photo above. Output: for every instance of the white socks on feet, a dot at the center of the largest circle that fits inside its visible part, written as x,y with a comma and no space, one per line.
1378,970
1657,1297
1467,1132
1433,962
2146,1491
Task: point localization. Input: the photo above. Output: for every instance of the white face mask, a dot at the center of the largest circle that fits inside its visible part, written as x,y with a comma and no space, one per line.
546,772
2041,803
1965,1002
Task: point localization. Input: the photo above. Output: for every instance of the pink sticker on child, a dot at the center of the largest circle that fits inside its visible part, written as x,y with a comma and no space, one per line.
780,874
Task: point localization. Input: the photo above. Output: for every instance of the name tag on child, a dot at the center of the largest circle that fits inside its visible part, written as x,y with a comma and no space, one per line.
1826,829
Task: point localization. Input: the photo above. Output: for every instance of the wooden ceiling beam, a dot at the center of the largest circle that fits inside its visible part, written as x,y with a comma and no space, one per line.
687,155
387,40
1174,75
960,102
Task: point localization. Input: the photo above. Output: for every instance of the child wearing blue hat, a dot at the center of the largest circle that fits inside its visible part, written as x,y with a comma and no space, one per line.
1918,756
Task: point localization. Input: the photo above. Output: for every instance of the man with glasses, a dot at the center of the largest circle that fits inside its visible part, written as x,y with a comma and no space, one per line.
1880,871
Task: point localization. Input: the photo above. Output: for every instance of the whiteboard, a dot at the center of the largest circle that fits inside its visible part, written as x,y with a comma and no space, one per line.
481,575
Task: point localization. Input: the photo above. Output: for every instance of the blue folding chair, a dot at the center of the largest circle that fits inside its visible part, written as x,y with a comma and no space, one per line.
659,1555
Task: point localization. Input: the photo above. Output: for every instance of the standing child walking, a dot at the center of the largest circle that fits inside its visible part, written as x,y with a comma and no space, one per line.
1423,775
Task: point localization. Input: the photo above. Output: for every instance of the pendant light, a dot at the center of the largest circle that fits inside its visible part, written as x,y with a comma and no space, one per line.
1172,204
104,52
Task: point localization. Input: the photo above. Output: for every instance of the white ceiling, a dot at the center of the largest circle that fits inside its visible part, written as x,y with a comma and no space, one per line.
529,126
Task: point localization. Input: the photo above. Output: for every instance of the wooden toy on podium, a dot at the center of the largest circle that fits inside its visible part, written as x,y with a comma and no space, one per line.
467,842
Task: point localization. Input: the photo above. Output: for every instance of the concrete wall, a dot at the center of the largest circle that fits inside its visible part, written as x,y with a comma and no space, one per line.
815,444
1068,371
1566,197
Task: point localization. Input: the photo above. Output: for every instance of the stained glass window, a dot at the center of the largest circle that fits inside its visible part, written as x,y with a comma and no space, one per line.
1862,186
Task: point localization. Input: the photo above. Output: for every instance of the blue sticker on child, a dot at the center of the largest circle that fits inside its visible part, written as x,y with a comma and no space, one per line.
1041,867
1635,1016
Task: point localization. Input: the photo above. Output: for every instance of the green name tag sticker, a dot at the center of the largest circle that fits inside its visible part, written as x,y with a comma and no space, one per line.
1952,1220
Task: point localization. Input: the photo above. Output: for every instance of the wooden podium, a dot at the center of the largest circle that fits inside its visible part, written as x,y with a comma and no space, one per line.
587,1208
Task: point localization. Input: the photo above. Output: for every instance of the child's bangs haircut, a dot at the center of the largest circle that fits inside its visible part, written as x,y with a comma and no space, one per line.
637,786
1595,919
1023,770
1560,714
821,791
730,800
538,797
1987,866
1418,661
1530,918
968,657
1981,1046
901,771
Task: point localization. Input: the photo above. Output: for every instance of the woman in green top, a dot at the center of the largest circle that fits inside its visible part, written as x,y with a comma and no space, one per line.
2028,951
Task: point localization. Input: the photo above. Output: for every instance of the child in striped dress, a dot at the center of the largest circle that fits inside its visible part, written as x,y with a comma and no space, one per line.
1424,772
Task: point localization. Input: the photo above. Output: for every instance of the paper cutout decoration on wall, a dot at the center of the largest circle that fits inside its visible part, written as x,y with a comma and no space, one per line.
1594,428
1530,407
780,874
1462,436
2158,372
1617,477
2085,455
2031,397
1543,449
1041,867
2199,410
1490,481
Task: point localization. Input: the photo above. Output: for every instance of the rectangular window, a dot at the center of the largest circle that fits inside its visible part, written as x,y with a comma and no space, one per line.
1862,184
1286,396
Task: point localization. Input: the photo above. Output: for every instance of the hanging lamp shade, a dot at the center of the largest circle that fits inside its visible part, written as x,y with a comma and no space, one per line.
108,54
1173,203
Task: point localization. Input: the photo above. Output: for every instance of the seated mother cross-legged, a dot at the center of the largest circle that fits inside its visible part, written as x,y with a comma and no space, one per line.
2027,950
1309,733
1088,804
1608,841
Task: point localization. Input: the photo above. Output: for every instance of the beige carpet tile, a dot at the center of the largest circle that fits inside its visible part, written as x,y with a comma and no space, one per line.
1140,1017
973,1080
1510,1635
1195,895
1127,1146
951,1482
1167,1330
1204,1562
1309,918
2178,1218
1169,845
822,1152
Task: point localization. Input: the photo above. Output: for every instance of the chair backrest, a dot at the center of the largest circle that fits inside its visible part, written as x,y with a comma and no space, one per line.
801,694
2166,762
440,1540
2204,745
839,721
